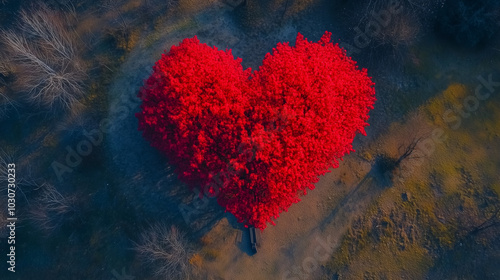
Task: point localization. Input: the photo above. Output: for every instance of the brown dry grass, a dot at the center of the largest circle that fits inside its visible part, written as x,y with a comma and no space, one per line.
436,206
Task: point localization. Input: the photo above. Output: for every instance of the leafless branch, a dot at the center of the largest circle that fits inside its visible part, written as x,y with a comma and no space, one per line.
44,59
167,250
50,209
407,151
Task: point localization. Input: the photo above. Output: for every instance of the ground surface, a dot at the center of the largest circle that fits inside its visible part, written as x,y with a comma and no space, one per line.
354,225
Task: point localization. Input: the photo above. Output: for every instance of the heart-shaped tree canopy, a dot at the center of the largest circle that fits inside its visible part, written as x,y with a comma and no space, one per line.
255,140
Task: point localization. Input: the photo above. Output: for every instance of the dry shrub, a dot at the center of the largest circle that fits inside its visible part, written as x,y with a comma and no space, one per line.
44,59
51,209
167,251
403,30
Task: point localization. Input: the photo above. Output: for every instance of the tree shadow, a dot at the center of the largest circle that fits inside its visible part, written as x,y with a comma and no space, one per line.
244,244
372,184
243,235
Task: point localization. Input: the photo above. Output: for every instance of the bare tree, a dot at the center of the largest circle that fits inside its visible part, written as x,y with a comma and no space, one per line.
51,209
386,166
405,147
167,250
44,59
407,151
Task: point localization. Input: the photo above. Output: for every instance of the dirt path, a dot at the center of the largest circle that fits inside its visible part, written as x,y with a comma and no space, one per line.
305,237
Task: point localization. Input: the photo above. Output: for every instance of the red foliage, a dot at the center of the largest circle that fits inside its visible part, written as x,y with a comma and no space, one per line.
256,140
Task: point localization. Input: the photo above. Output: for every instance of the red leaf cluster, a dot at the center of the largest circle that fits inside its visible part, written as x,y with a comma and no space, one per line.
256,140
